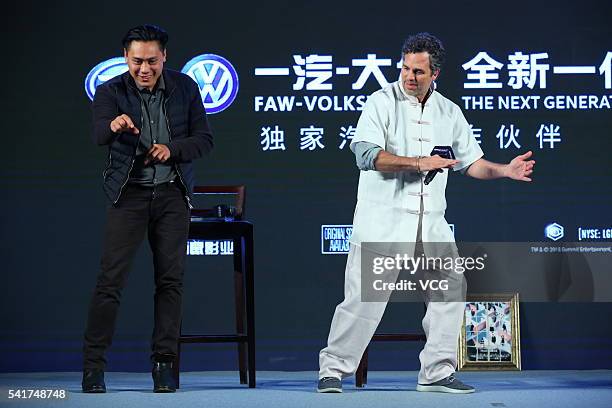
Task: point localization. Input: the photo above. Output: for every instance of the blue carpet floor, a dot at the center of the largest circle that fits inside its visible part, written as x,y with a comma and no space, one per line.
542,389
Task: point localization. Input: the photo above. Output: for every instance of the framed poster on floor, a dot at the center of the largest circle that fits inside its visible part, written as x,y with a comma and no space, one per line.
490,335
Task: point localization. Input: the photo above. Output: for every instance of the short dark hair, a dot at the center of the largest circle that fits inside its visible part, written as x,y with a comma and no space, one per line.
422,42
146,32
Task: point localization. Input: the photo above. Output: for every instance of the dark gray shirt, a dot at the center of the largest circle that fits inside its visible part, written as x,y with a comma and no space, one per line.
154,130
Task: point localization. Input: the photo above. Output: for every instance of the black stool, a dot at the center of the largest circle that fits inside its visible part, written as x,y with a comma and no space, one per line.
361,375
241,233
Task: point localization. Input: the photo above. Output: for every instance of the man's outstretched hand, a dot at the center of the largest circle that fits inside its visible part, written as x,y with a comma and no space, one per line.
520,168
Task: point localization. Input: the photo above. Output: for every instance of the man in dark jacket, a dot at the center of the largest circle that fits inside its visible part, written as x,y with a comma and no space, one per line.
154,124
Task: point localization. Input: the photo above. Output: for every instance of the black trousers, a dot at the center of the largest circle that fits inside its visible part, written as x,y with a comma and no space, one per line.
163,214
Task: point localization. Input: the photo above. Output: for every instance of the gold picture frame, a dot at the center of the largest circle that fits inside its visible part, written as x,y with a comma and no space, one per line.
490,336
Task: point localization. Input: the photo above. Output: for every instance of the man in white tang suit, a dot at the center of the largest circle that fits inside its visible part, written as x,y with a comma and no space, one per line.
397,130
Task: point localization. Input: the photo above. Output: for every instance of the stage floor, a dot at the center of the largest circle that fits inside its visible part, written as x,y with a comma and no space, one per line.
546,389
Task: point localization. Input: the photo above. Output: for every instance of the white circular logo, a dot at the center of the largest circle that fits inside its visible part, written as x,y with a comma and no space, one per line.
217,79
102,73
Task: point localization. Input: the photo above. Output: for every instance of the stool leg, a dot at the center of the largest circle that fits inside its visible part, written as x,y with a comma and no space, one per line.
365,366
249,271
360,374
239,305
176,369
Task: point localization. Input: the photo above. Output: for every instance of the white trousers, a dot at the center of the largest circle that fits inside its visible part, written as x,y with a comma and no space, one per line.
355,322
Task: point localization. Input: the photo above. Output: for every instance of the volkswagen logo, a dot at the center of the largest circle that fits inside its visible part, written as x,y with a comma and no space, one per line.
102,73
216,78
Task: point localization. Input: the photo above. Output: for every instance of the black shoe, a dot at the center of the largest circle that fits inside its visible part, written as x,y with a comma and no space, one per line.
93,382
449,384
329,384
163,378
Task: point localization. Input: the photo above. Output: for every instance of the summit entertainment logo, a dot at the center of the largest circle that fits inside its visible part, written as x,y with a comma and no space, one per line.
554,231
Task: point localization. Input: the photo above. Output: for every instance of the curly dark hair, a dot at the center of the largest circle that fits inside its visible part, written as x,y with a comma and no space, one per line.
146,32
422,42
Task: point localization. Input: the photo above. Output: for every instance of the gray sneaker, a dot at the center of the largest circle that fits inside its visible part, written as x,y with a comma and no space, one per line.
449,384
329,384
